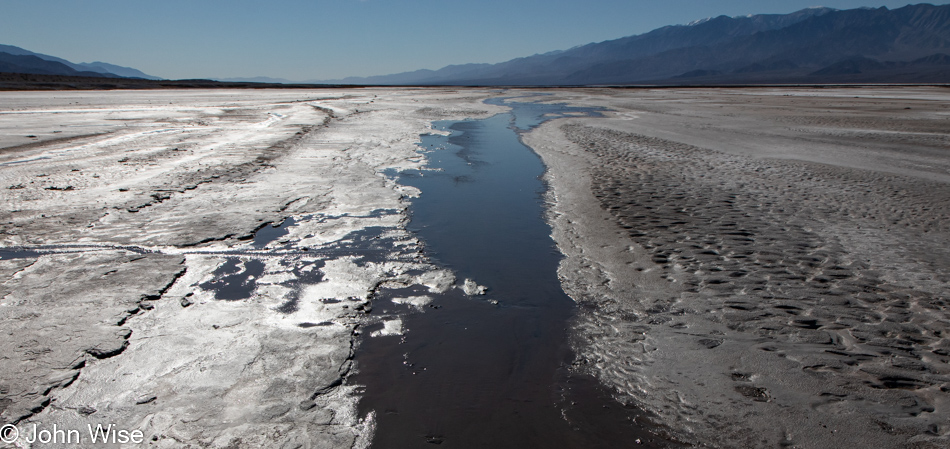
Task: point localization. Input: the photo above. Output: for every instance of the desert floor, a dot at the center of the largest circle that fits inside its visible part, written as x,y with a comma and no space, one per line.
762,267
147,283
753,267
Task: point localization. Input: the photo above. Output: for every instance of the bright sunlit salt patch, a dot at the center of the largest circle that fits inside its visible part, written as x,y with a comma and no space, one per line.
408,191
416,301
365,430
471,288
272,119
345,279
276,273
390,327
332,228
438,281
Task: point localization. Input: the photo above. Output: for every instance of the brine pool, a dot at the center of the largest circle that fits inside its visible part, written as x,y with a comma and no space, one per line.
487,370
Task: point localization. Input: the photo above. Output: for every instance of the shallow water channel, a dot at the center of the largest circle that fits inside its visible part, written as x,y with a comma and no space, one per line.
487,370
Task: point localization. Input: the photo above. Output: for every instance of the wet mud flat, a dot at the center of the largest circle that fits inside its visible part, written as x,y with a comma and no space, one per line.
762,268
490,365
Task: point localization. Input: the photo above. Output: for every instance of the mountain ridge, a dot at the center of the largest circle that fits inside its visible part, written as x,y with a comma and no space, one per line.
64,67
757,48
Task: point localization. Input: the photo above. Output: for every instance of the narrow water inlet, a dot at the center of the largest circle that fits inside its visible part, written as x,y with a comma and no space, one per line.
488,370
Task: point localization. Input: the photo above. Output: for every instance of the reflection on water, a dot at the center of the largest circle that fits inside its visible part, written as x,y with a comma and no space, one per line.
486,371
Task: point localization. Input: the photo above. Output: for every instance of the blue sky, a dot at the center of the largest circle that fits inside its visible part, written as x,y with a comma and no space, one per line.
324,39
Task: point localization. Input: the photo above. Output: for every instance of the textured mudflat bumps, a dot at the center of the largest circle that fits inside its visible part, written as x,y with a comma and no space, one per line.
759,261
726,287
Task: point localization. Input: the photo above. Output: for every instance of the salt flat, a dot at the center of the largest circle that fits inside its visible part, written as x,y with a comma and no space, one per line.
762,267
128,214
756,267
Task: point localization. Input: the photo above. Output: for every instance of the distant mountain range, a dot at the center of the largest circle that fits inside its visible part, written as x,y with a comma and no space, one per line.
815,45
17,60
255,79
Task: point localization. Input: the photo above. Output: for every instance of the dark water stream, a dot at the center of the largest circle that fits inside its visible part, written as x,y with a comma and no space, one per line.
472,373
